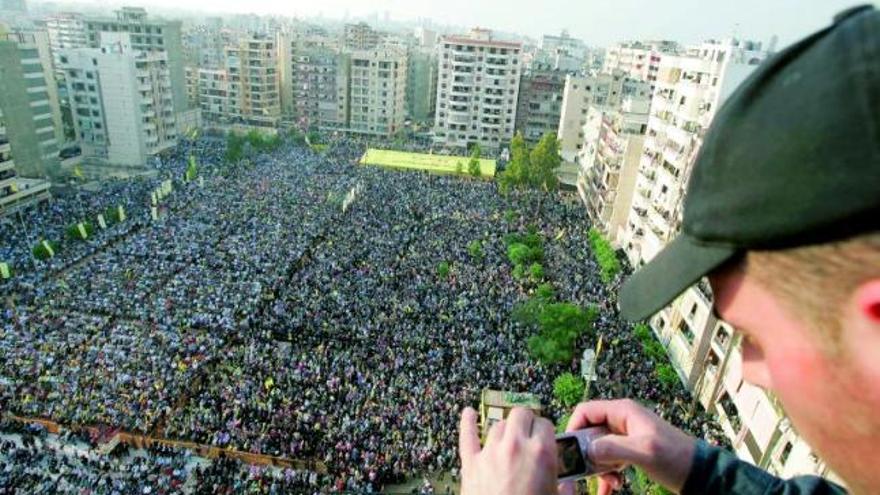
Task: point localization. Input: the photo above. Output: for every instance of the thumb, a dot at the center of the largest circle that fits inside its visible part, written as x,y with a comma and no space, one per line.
618,450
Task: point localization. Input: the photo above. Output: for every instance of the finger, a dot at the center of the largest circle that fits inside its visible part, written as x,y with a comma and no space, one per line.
612,413
468,436
496,433
543,431
519,423
604,488
566,488
612,480
619,450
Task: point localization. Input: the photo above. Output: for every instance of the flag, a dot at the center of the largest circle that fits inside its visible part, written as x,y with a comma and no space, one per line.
192,169
101,222
48,248
121,211
13,187
82,230
77,172
4,271
269,383
201,181
155,198
154,213
560,234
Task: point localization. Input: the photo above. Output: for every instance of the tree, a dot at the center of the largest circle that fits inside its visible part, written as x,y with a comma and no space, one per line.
559,325
443,269
544,159
609,265
516,175
475,249
474,163
568,389
536,270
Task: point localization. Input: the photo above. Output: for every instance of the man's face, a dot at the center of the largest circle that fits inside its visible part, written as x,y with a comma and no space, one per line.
827,397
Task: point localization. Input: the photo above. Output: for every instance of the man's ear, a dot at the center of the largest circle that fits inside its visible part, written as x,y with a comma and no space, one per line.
861,331
867,299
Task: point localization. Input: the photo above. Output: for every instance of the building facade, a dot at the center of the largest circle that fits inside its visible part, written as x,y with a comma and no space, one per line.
609,162
360,36
121,101
147,35
477,91
580,93
66,30
314,82
540,103
421,86
26,106
378,91
253,82
637,59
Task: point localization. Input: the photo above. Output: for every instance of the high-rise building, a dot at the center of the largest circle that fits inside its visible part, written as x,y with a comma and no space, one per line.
378,91
314,81
121,102
28,113
426,38
15,191
360,36
609,162
252,71
421,86
213,94
66,30
564,43
477,90
638,59
690,87
540,102
147,35
582,92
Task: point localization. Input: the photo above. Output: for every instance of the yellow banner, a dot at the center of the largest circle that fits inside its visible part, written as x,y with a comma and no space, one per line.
4,270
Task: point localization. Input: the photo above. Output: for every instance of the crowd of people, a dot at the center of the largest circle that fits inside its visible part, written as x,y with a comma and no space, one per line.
258,314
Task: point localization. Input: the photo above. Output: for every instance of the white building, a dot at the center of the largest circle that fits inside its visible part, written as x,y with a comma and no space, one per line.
66,30
378,91
705,352
609,162
254,82
477,90
638,59
121,100
606,91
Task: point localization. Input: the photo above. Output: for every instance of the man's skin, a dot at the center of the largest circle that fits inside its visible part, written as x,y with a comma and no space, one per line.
833,399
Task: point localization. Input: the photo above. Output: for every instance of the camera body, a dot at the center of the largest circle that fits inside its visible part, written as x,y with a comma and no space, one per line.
572,450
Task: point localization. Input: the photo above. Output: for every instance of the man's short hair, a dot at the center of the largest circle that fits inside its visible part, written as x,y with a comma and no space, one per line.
816,282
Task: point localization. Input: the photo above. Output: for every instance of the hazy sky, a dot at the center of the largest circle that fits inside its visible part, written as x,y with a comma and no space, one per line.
598,22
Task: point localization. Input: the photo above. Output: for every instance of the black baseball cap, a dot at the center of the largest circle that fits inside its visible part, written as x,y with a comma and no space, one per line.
791,159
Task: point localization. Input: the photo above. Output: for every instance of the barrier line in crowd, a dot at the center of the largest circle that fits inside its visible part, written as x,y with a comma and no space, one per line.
206,451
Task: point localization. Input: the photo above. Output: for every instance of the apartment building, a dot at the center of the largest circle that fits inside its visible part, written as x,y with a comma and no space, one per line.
215,98
121,101
360,36
477,90
16,192
609,162
564,43
314,81
66,30
26,105
540,102
638,59
253,82
421,86
584,91
705,352
378,91
147,35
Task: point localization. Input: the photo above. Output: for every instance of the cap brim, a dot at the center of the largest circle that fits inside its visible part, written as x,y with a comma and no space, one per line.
678,266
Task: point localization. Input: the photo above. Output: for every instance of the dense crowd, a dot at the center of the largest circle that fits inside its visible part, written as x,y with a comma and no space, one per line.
256,314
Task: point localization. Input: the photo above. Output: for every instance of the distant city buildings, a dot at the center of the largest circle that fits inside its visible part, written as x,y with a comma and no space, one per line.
378,91
315,81
360,36
254,92
477,91
540,102
638,59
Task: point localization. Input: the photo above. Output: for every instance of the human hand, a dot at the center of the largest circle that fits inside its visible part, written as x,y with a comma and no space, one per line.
519,456
638,437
